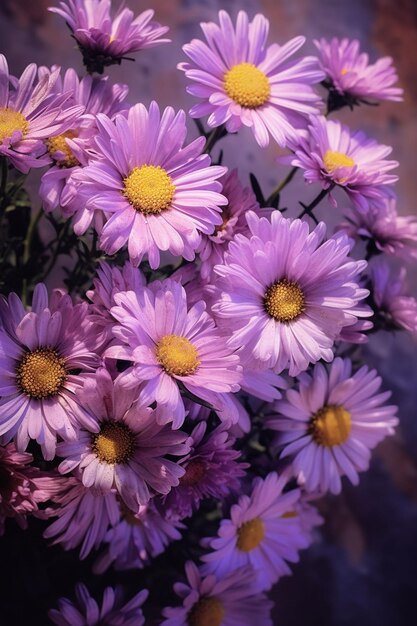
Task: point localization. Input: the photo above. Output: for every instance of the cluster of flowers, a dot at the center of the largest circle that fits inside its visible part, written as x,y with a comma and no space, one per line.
221,384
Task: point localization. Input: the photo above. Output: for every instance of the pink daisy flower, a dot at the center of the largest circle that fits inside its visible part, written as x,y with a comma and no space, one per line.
244,82
30,113
45,355
330,422
104,40
171,347
157,194
284,295
123,447
350,75
331,154
86,612
262,532
394,306
214,601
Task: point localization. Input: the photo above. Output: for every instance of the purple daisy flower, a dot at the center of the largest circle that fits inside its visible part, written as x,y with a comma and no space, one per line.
331,154
262,532
86,612
394,306
44,357
284,295
243,82
137,539
157,194
104,40
226,601
171,345
329,424
350,74
30,113
211,471
123,447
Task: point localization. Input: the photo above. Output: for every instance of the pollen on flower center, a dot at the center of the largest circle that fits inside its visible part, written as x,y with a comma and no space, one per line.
284,301
247,85
58,144
250,535
10,122
330,426
333,160
344,71
41,373
194,472
206,612
149,189
114,443
177,355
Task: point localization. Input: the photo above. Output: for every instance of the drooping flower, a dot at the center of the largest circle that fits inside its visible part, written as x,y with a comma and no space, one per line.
395,308
123,448
45,355
157,194
331,154
284,295
30,113
104,40
351,78
211,471
113,611
219,601
243,82
263,532
171,347
329,424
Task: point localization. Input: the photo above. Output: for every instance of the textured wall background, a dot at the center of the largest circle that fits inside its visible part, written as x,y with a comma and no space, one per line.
363,568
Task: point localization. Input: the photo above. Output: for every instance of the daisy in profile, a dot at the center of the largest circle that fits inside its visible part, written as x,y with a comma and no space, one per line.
113,611
329,424
393,304
219,601
245,83
172,347
284,295
154,193
123,448
104,40
45,355
351,77
263,532
331,154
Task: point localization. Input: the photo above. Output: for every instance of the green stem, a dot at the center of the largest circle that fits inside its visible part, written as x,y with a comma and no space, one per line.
216,134
281,186
308,208
27,244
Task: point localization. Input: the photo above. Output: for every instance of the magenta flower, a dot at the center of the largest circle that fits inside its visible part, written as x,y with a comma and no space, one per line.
86,612
214,601
156,194
171,345
284,296
393,304
262,532
44,357
30,113
332,155
330,422
244,83
104,40
352,77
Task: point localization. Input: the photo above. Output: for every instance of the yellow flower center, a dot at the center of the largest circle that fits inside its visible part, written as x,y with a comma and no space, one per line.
149,189
344,71
177,355
206,612
10,122
250,535
114,443
247,85
194,472
41,373
330,426
333,160
284,301
58,143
